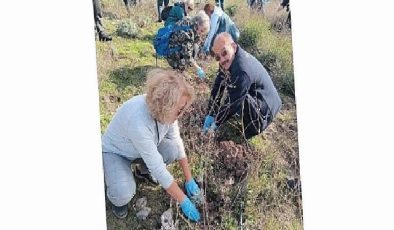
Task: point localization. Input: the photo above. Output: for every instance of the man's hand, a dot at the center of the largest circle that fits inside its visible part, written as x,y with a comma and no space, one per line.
209,123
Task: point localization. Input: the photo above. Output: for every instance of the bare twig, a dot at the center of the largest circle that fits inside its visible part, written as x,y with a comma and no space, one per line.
177,212
242,184
205,184
188,223
241,220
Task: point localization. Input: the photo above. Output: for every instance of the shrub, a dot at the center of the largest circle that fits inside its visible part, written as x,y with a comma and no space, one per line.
252,32
273,50
127,29
278,68
250,35
268,59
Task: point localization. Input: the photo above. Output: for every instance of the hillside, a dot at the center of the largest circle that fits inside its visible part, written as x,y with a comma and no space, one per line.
247,184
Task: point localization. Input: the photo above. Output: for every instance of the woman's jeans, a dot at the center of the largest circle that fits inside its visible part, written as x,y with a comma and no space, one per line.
119,179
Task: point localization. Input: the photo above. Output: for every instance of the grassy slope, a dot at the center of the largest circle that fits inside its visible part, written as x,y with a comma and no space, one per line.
266,203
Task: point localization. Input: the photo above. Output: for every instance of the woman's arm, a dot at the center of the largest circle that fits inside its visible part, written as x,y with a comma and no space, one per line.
185,168
175,192
173,134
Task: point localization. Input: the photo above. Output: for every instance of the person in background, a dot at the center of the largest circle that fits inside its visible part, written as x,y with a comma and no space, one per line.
179,11
145,129
189,41
102,35
220,3
251,94
130,3
286,4
257,4
220,22
160,7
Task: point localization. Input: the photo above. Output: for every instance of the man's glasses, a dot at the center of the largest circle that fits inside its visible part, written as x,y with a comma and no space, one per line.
222,54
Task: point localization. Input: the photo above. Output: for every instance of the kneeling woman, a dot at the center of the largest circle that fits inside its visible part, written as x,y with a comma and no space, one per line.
145,129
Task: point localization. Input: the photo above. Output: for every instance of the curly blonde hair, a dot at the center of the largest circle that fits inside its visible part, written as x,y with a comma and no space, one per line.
164,88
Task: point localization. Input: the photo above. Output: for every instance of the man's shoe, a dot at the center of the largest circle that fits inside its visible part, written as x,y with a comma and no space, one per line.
120,212
104,37
145,176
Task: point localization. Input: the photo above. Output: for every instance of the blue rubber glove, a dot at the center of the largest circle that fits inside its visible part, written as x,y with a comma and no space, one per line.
193,192
200,73
190,210
209,123
192,188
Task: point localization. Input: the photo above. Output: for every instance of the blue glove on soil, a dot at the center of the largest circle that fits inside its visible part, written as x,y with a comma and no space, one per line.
209,123
190,210
193,192
192,188
200,73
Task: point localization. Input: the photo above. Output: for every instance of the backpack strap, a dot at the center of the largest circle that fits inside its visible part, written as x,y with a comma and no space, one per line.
158,134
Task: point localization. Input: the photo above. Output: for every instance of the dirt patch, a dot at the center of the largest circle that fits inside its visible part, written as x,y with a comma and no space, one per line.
224,183
233,160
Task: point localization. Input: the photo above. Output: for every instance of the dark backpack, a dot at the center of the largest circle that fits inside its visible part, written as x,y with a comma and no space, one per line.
162,40
165,12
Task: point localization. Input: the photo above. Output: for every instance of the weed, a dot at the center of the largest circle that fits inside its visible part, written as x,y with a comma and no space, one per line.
127,29
250,35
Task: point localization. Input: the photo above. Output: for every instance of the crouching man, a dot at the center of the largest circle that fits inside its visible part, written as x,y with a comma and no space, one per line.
250,92
145,129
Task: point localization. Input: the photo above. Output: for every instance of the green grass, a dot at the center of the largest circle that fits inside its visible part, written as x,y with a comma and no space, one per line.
272,49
